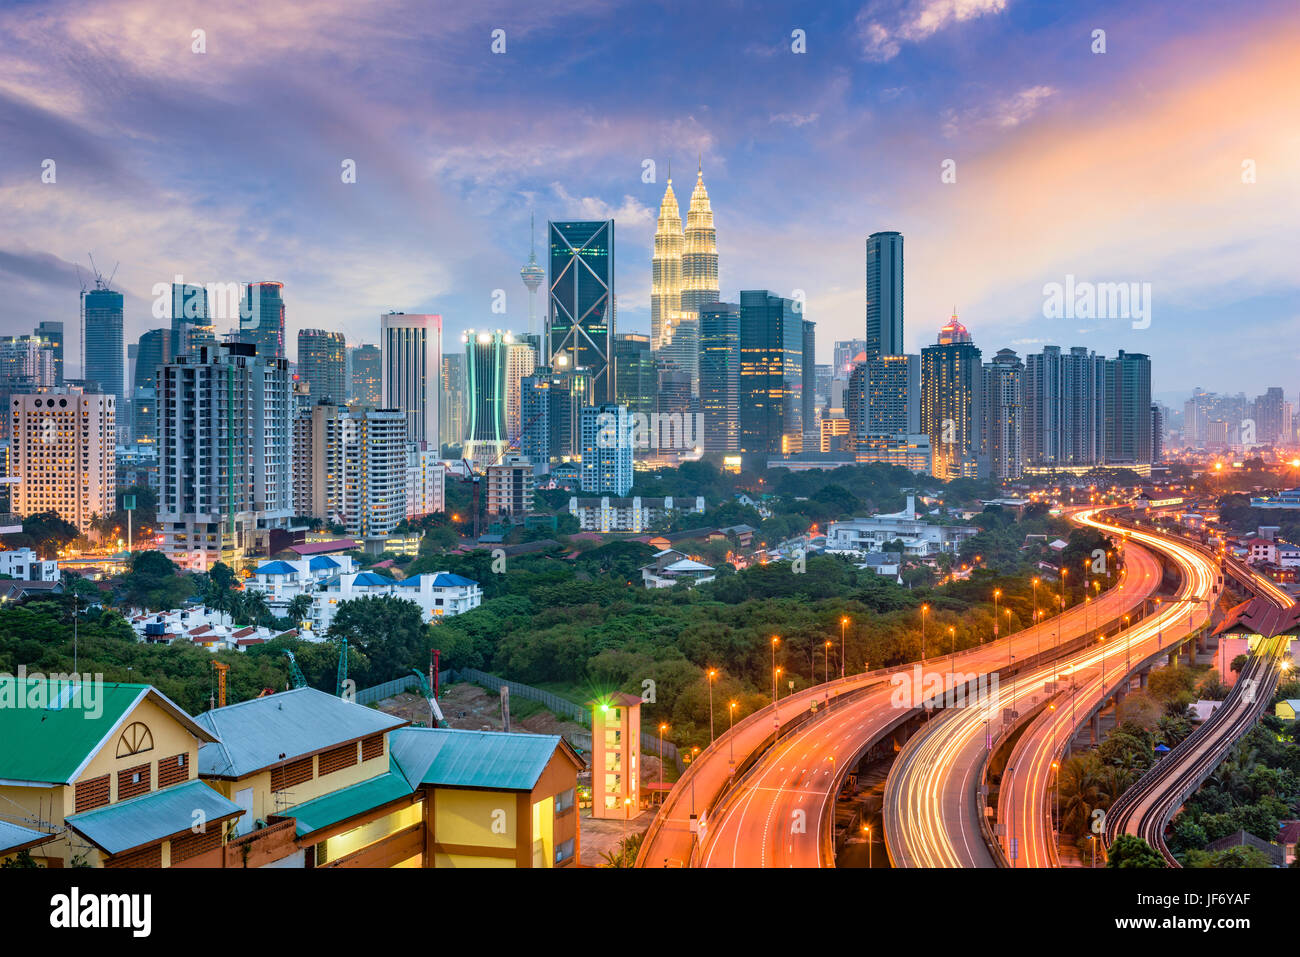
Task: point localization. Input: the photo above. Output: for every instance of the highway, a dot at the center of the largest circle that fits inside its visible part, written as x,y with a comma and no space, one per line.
760,824
931,810
1026,793
1146,808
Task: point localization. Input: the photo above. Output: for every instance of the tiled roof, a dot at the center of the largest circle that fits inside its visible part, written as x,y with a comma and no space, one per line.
265,732
151,817
1259,616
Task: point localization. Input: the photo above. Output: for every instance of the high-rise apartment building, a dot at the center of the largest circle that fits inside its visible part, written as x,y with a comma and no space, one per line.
224,448
808,387
1003,407
322,364
951,384
374,460
720,376
1128,410
884,294
606,450
1064,395
102,345
894,395
510,486
61,446
412,354
580,318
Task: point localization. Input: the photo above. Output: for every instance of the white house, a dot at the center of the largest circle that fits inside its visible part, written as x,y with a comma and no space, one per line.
672,567
23,564
859,536
439,595
283,580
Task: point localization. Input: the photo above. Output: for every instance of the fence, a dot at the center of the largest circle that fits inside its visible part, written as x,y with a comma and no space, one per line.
389,688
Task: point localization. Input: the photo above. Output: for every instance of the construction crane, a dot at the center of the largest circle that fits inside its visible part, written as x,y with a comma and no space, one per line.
296,676
343,669
435,713
474,477
222,668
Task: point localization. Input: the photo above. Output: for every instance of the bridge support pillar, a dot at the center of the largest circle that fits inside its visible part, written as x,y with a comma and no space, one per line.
1093,725
1143,677
1202,641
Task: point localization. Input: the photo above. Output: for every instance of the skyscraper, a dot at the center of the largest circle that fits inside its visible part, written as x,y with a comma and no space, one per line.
322,364
1003,403
453,399
846,356
373,457
894,395
365,375
1063,409
51,333
261,318
580,326
808,387
533,274
485,366
666,269
191,323
682,352
634,372
412,352
771,371
224,451
1128,410
884,294
151,353
700,252
521,361
101,329
720,376
951,387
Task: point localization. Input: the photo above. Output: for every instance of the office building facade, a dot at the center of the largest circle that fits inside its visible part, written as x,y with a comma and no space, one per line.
102,345
951,385
580,318
412,352
322,365
771,371
720,376
884,295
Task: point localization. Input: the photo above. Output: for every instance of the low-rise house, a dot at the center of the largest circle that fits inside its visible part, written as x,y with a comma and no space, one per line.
862,535
23,563
671,567
17,589
886,564
439,595
110,770
282,580
1246,625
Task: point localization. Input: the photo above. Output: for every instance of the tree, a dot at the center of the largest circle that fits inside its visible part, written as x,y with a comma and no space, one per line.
1241,856
1131,851
299,608
256,609
389,631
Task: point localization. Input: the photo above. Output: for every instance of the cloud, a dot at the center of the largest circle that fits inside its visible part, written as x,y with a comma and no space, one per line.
1003,114
883,26
794,119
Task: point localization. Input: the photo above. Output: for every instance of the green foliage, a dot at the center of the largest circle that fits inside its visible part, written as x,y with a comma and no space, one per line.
389,631
1241,856
45,532
1130,851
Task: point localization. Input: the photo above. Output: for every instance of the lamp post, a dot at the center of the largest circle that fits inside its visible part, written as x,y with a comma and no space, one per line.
662,728
997,593
952,633
775,641
1035,583
870,848
843,621
925,610
826,663
713,673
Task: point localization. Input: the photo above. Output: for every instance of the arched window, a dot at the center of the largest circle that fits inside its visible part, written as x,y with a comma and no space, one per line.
134,740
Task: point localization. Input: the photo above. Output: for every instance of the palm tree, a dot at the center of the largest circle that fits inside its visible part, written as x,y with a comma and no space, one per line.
222,599
255,607
299,607
1082,791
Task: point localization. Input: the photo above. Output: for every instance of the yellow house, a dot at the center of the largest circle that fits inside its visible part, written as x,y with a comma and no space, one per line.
106,773
276,757
1286,709
493,798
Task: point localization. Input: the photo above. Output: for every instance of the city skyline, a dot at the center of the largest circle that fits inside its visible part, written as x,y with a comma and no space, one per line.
1041,124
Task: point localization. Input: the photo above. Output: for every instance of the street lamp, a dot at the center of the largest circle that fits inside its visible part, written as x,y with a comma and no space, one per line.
713,673
925,610
662,728
843,621
826,662
997,593
952,633
731,723
775,641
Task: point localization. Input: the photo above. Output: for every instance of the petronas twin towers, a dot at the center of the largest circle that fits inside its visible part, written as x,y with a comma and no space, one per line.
685,266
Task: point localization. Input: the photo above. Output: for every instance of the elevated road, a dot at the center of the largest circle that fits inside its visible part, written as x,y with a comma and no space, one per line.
933,811
779,812
1146,808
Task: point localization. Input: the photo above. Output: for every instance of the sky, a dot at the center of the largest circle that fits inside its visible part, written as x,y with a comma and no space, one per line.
1008,149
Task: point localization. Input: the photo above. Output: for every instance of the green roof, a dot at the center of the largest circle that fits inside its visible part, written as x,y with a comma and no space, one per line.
151,817
51,729
496,760
344,803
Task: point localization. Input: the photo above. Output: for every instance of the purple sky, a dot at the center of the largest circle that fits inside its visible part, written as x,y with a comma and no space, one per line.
1123,166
